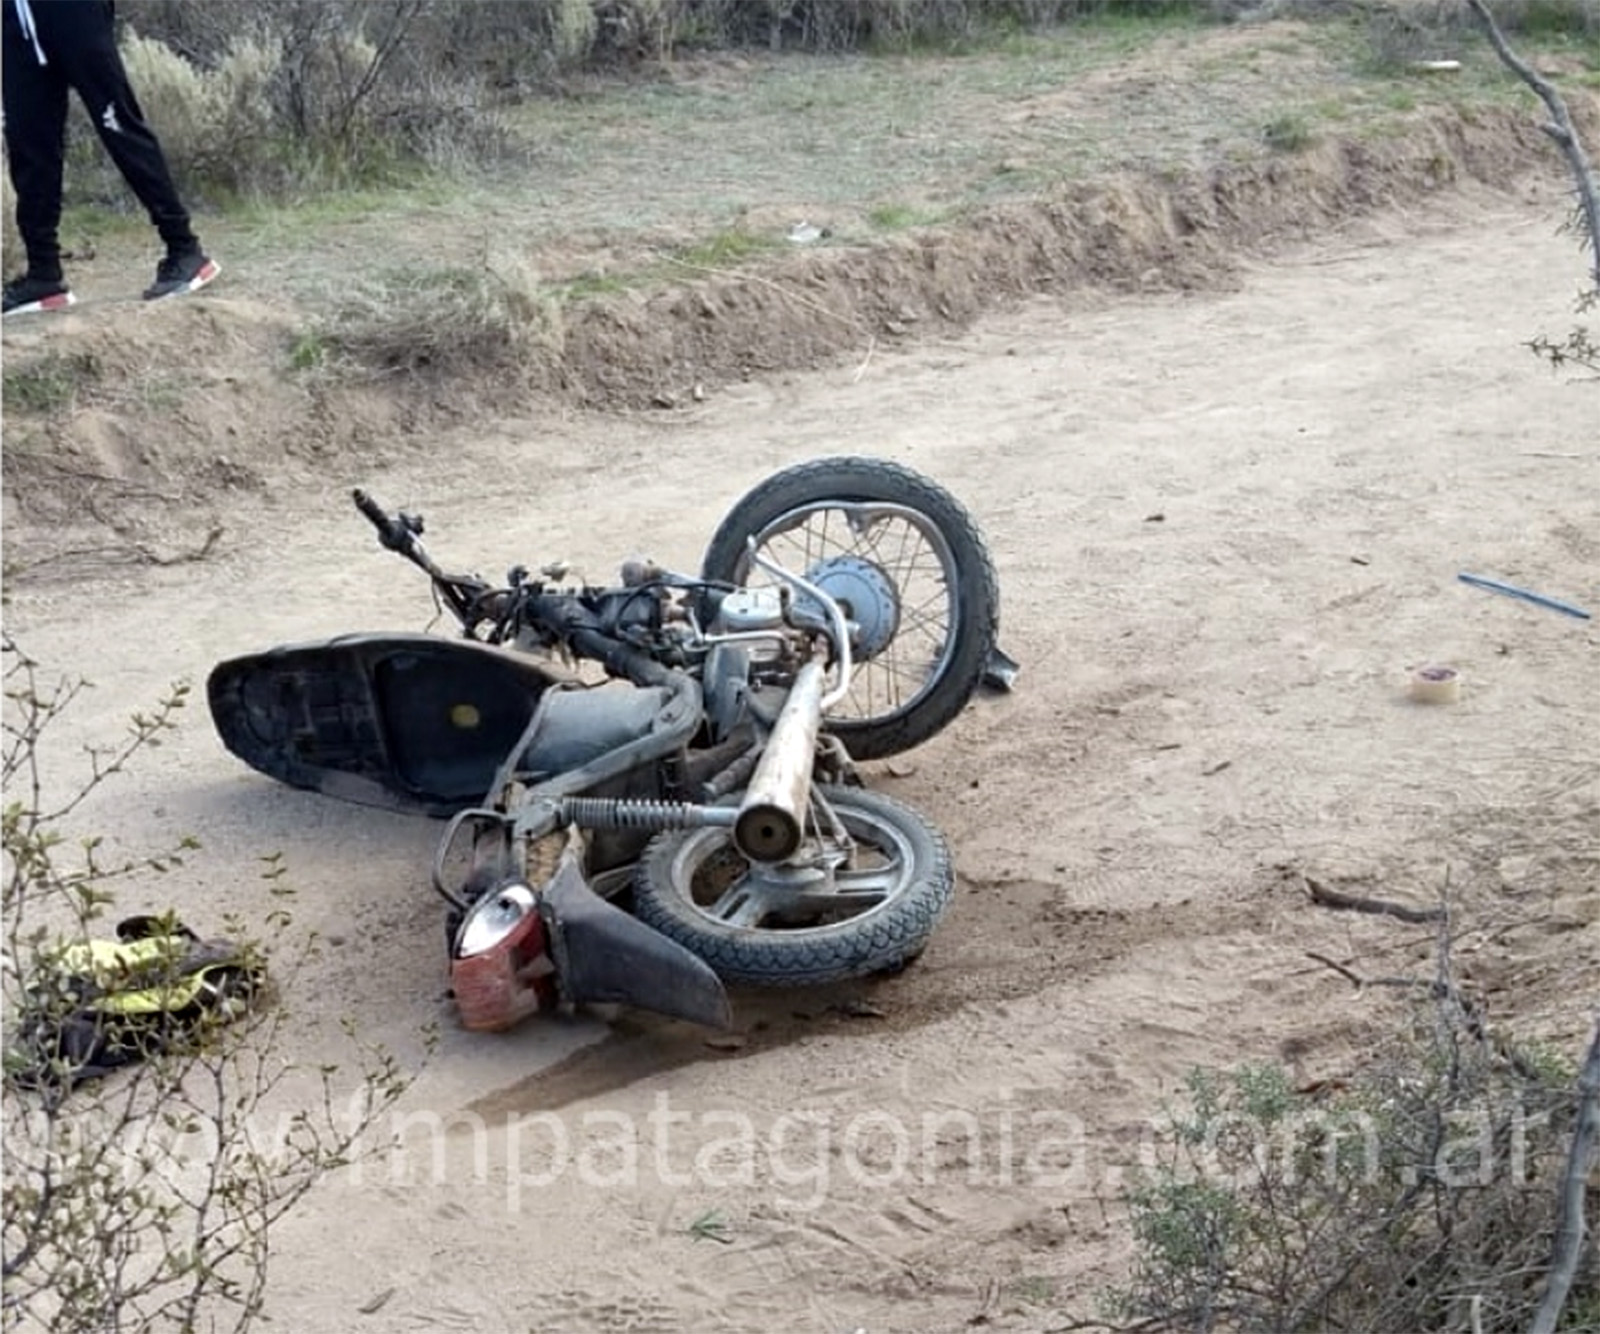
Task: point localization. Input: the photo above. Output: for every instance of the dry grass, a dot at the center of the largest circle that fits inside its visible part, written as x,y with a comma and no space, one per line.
295,95
490,319
10,238
631,168
600,189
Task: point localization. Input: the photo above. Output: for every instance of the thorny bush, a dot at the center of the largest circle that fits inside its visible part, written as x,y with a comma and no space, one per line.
144,1200
1421,1194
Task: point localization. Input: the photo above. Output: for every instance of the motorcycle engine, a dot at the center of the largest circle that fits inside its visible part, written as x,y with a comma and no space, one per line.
748,609
726,683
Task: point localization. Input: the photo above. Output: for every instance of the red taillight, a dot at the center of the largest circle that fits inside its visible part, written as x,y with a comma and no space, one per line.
504,985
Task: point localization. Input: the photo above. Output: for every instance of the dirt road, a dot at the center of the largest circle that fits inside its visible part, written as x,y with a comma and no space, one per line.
1226,527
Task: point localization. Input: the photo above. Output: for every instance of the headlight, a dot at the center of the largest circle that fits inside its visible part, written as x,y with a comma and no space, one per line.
492,918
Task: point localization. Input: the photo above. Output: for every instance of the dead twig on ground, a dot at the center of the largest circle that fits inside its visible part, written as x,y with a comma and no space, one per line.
1324,897
1355,979
1440,990
872,345
1443,988
189,557
130,552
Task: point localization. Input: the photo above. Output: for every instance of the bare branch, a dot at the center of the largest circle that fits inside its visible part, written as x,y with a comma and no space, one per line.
141,1201
1559,129
1355,979
1570,1231
1324,897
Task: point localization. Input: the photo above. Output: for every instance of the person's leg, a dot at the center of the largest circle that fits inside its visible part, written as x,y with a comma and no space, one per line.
79,39
35,100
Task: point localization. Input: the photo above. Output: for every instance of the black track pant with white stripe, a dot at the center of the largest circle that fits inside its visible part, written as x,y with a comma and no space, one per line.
80,53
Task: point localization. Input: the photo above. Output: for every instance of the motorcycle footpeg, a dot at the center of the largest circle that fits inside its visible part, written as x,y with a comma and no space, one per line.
605,956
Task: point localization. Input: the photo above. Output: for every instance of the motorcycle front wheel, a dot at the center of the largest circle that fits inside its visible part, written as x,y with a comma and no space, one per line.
827,914
908,565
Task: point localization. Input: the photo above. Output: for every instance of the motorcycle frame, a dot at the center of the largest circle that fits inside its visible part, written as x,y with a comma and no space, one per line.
769,823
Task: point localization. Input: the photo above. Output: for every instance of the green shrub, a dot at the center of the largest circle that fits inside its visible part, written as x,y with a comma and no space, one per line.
216,125
1548,18
1422,1196
1288,133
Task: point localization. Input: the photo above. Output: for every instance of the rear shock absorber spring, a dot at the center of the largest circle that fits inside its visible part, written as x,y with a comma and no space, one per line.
626,813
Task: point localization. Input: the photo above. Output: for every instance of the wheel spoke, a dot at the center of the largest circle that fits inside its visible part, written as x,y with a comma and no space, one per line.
812,541
877,883
756,897
741,904
895,675
933,610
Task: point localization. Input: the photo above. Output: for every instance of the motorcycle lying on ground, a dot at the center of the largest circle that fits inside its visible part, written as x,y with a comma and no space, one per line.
846,609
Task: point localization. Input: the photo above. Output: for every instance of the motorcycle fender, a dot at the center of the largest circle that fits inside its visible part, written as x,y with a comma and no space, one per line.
503,986
605,956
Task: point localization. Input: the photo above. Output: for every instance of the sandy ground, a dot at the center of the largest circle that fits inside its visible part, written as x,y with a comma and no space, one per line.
1227,527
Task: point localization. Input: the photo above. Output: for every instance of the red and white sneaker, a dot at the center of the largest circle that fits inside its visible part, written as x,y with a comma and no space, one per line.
177,274
25,295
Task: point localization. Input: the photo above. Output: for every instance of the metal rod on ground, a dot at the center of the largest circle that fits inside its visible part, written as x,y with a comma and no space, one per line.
1526,595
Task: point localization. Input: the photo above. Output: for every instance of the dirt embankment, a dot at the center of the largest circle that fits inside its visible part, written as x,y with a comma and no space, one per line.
134,423
1182,231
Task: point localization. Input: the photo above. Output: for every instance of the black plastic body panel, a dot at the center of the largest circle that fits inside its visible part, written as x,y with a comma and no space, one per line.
407,722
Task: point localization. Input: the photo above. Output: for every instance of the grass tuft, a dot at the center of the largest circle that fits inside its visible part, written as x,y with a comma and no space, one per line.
495,317
725,249
51,384
1288,133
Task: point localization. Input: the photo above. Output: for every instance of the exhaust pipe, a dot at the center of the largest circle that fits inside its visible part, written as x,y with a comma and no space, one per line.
771,819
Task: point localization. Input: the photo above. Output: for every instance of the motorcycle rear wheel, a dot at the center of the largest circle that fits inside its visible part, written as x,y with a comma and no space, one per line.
770,927
911,567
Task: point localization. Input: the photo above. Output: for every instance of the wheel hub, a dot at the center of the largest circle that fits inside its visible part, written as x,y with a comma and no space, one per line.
867,596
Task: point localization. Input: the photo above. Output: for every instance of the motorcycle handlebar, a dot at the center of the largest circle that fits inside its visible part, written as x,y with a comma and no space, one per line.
370,507
572,623
472,601
400,533
391,532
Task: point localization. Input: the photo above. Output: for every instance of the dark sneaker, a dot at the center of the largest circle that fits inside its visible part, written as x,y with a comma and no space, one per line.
25,295
181,273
